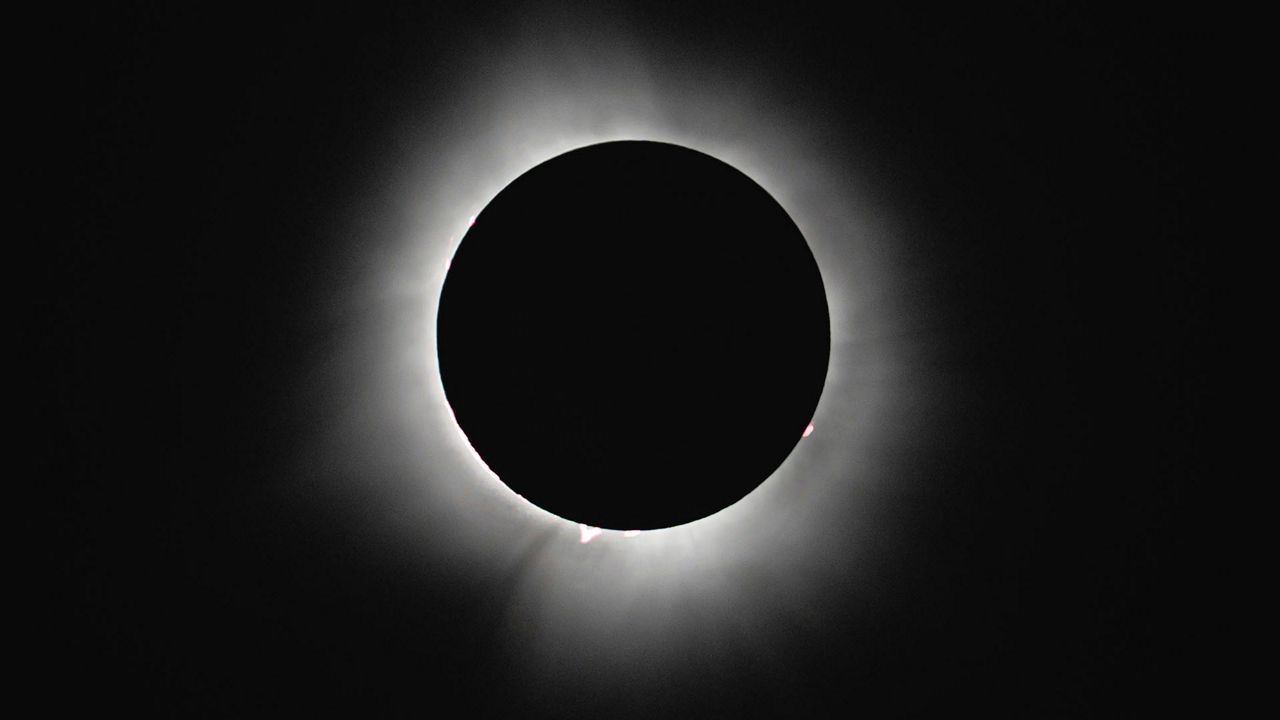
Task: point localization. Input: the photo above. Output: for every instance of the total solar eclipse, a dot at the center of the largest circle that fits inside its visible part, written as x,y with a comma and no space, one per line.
633,335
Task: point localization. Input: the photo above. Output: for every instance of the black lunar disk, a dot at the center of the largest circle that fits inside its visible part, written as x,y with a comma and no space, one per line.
633,335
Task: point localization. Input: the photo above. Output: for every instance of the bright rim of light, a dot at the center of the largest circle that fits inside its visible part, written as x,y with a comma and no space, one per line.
398,453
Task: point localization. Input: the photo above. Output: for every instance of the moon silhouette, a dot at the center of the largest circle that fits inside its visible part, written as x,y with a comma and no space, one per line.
633,335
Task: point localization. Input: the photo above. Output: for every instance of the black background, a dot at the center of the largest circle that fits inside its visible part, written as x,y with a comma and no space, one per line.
199,152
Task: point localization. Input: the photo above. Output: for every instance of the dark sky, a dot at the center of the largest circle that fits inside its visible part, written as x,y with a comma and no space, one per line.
216,162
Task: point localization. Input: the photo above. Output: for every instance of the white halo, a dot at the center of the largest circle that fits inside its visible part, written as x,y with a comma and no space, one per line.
424,495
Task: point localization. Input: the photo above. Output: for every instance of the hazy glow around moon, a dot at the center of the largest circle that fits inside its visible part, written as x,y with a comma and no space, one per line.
565,607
